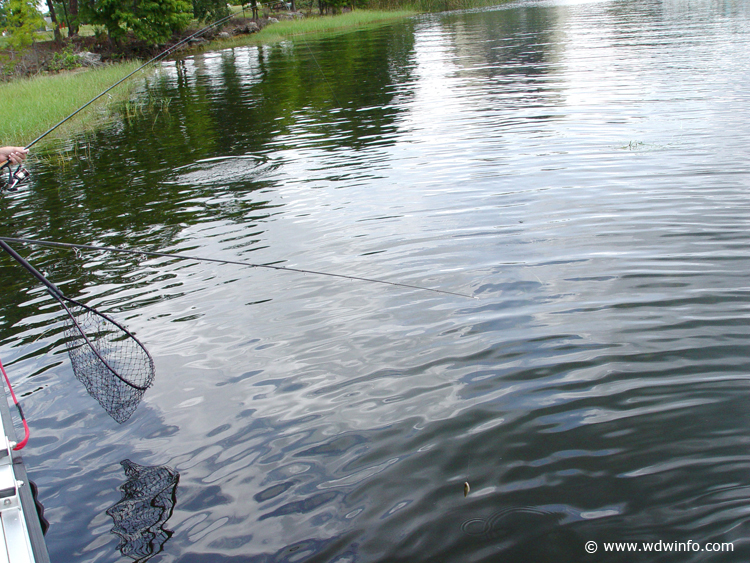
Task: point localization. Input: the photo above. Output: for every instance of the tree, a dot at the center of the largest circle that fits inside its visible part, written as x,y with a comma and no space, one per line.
55,23
69,10
152,21
210,10
21,18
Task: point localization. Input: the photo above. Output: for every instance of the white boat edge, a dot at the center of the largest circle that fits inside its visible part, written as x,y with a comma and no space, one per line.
22,539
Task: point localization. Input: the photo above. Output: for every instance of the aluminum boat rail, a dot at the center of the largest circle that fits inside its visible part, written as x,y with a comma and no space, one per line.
21,536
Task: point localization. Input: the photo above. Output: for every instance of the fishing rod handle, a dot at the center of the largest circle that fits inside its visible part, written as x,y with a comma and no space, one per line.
18,258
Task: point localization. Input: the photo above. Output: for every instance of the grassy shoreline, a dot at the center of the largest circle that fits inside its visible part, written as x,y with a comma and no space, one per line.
288,29
33,105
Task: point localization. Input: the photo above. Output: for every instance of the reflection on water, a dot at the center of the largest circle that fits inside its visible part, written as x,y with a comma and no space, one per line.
140,517
579,167
219,170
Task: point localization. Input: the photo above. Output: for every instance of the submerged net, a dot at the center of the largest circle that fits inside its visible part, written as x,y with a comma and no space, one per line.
111,363
148,499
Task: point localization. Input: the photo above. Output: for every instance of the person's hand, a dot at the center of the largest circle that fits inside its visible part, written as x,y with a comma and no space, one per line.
15,154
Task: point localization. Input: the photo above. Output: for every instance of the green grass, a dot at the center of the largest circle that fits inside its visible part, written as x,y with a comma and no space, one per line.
83,31
315,25
31,106
432,5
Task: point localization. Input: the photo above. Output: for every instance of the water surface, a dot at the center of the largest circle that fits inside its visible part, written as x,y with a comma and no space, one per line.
580,168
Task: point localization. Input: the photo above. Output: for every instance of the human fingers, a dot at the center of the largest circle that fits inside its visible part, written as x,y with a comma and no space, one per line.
18,156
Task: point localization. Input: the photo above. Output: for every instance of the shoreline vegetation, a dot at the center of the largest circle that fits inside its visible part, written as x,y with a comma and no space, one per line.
32,105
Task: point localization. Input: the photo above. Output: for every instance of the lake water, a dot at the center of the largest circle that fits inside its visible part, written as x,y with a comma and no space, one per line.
579,168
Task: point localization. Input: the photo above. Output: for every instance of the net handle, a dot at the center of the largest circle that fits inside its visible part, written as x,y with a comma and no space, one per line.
57,294
18,258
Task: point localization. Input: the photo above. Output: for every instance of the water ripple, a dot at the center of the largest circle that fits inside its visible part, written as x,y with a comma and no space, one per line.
577,166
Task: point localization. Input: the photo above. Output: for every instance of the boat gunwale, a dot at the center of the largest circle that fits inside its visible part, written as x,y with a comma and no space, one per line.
28,505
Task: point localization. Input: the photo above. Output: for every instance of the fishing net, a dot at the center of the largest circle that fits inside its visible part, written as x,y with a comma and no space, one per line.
148,499
108,359
111,363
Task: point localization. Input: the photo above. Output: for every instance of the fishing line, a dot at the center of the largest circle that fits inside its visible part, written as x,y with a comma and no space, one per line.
144,65
20,175
323,74
69,246
106,357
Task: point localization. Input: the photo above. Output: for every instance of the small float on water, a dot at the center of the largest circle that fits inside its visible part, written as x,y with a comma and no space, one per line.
22,537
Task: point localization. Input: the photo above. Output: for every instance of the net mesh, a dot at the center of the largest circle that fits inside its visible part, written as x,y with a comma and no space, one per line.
148,499
111,363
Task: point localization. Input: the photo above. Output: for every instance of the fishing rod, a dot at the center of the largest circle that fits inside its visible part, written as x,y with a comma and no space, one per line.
152,254
15,179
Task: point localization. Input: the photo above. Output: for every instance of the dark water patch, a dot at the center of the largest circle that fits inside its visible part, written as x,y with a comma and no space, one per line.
303,506
272,492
